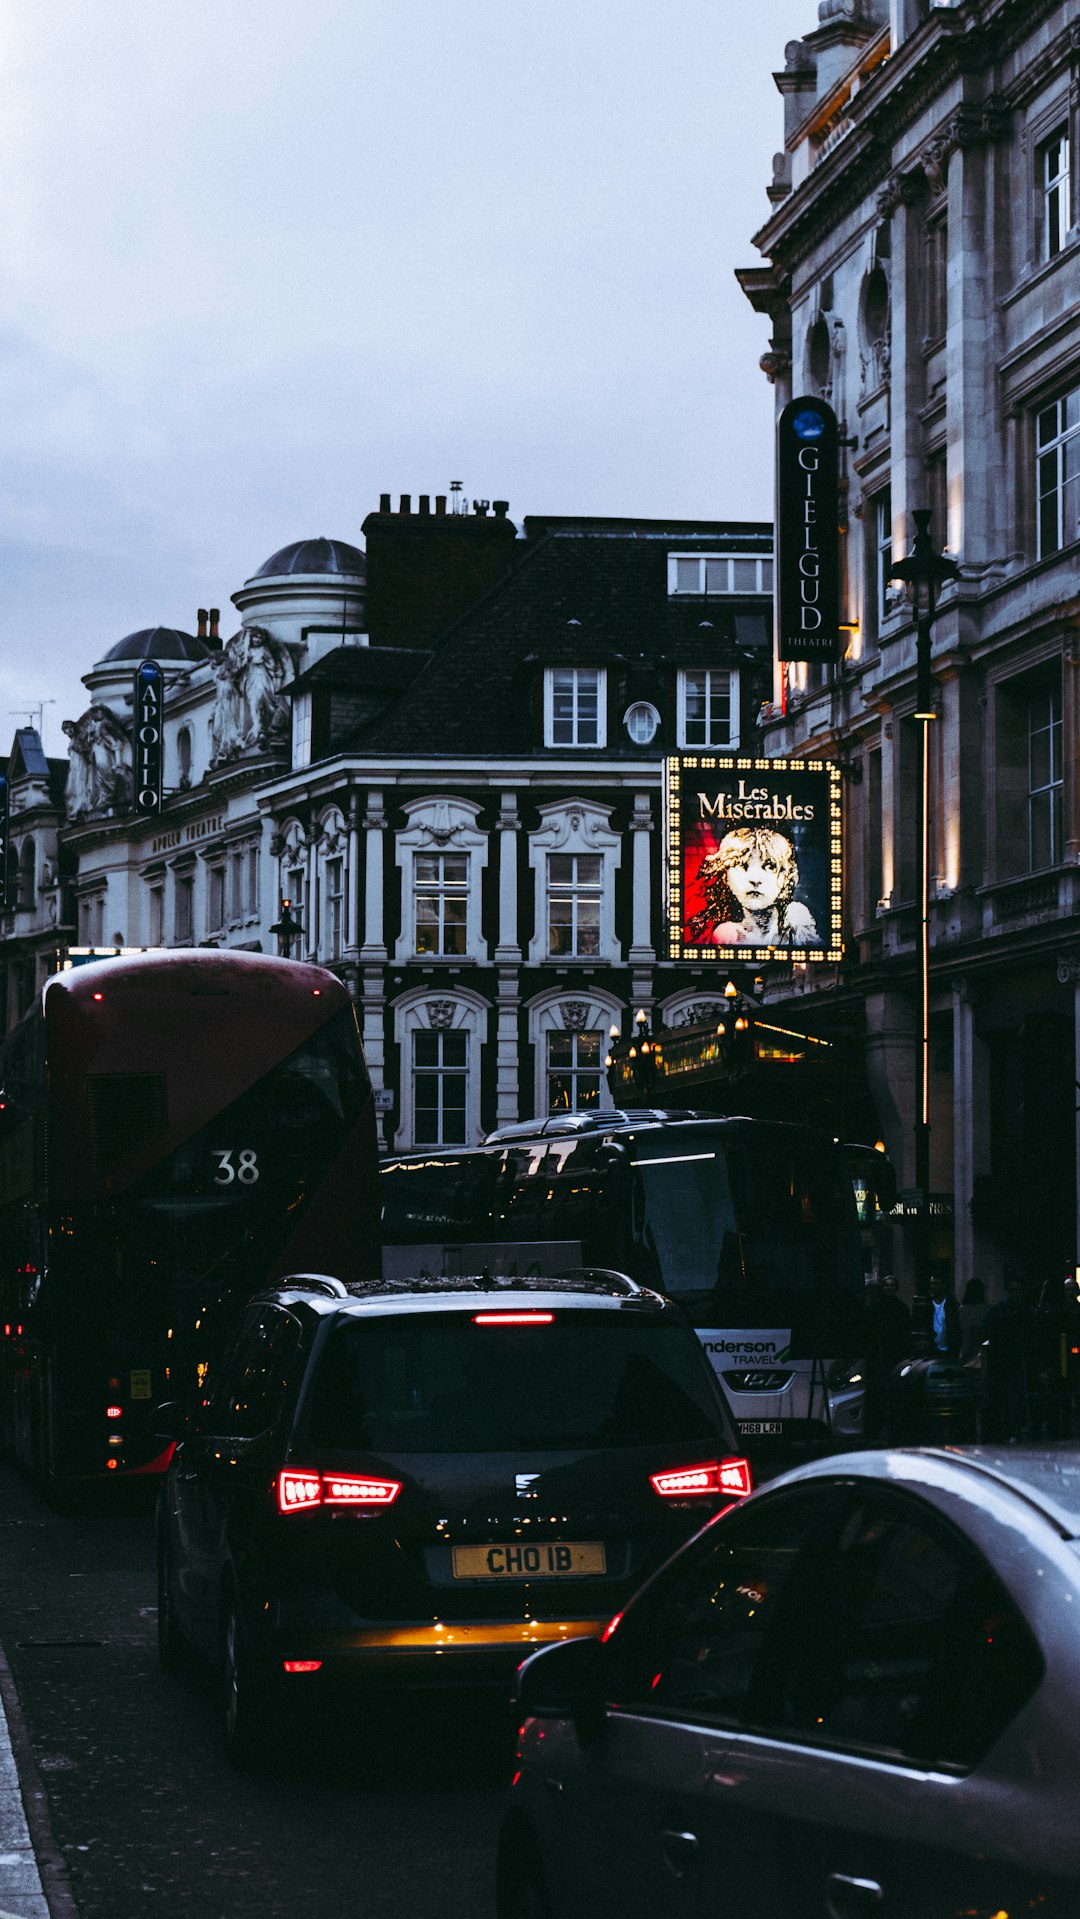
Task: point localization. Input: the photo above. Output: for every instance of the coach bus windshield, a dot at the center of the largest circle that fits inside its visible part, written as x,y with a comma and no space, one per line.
746,1222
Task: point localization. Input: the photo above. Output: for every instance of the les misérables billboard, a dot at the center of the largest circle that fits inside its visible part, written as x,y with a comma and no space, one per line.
753,858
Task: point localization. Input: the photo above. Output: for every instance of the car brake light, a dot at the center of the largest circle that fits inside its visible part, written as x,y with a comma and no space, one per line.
297,1490
302,1665
340,1489
717,1476
512,1319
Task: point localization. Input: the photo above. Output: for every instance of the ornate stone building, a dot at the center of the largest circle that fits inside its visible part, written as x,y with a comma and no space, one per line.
921,269
446,753
38,915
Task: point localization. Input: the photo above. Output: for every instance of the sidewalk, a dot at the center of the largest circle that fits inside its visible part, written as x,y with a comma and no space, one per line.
21,1892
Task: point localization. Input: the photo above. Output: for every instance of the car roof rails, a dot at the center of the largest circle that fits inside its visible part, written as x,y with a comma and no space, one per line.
315,1283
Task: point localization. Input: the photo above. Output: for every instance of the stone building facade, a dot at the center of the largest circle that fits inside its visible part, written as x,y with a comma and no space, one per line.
37,916
921,265
446,752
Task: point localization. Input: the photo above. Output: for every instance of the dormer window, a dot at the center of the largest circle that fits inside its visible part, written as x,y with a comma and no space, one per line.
574,706
708,707
699,574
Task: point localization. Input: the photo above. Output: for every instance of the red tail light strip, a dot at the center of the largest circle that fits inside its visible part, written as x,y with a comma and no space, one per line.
731,1476
512,1319
298,1489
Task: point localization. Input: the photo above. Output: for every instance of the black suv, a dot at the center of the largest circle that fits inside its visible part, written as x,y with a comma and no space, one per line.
420,1482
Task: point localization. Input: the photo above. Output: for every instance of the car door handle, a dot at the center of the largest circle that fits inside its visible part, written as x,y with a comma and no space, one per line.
852,1898
679,1849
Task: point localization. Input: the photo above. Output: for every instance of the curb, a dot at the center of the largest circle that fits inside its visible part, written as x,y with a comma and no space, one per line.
52,1869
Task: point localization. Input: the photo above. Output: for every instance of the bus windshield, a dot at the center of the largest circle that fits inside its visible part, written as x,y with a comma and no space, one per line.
749,1222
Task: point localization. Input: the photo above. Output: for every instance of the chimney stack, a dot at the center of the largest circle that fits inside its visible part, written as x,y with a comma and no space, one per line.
425,568
202,623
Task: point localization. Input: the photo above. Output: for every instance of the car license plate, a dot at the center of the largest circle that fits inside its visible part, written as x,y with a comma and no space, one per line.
753,1428
553,1559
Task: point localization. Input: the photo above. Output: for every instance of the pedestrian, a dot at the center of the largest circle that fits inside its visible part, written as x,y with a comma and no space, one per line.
972,1314
888,1341
1008,1340
1055,1337
945,1328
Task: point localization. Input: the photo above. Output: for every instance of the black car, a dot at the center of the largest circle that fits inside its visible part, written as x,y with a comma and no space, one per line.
416,1483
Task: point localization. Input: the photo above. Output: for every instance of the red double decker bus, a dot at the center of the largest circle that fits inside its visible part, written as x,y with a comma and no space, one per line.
177,1130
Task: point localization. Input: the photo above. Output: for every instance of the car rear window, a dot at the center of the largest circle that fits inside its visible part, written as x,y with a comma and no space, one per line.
438,1382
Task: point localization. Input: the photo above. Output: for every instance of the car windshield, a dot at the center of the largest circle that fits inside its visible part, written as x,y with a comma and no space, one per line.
438,1382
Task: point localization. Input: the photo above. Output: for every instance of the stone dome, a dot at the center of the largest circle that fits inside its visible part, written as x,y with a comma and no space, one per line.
314,556
159,643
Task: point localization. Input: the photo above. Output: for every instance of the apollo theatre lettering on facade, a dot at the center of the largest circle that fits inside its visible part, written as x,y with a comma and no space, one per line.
754,862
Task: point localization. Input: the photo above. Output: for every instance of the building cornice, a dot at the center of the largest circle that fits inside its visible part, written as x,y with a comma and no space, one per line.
951,49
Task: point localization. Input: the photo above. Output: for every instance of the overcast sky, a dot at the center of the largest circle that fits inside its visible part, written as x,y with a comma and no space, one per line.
264,260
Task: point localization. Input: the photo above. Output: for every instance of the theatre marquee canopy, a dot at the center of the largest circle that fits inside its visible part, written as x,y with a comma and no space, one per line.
754,866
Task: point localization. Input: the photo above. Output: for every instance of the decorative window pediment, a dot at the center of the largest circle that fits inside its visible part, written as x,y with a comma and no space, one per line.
441,853
575,855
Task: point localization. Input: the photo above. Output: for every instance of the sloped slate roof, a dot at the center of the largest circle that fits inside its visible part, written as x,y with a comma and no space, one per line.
581,598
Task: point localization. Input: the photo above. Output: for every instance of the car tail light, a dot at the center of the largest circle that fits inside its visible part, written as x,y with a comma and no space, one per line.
296,1490
512,1319
730,1476
346,1489
301,1665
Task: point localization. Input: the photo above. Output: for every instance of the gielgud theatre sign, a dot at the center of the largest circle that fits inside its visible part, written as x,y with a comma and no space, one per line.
754,862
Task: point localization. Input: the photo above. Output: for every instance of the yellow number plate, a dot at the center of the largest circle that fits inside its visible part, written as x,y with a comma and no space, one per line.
550,1559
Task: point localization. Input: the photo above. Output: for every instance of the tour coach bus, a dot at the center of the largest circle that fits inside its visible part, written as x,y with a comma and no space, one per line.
750,1224
177,1130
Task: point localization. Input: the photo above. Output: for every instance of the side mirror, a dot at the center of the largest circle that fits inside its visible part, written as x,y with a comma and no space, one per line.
170,1421
564,1682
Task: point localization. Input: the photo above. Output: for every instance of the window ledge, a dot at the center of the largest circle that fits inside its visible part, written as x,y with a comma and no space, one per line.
1044,270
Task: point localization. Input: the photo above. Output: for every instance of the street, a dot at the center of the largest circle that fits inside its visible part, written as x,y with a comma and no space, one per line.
146,1814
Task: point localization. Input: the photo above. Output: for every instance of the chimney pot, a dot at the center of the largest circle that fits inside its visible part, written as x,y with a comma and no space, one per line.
215,615
440,503
202,622
424,502
406,503
501,508
384,503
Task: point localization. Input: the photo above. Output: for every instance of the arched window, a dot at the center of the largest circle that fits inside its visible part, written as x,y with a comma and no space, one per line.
570,1034
440,1036
334,932
441,853
819,356
183,752
27,877
574,854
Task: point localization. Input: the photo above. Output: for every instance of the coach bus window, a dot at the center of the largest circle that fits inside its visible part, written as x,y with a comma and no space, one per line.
684,1216
799,1216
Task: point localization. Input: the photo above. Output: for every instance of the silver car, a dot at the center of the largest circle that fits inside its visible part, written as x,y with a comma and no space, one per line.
857,1693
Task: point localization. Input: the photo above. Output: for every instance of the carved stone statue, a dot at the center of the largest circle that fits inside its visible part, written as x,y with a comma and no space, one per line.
110,757
266,667
99,763
249,709
78,786
227,724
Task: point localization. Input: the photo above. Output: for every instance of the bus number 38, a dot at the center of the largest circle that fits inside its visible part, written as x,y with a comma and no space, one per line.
241,1167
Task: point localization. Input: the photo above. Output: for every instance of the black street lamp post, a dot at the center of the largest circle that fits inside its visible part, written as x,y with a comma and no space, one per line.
922,573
